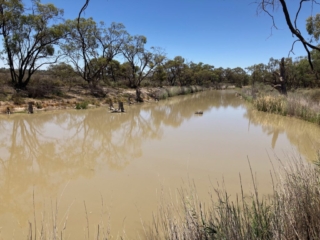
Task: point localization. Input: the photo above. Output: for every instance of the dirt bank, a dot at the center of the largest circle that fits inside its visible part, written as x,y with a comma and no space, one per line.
79,97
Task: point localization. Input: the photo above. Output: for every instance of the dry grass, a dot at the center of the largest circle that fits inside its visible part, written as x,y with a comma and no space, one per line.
53,227
292,212
302,103
292,106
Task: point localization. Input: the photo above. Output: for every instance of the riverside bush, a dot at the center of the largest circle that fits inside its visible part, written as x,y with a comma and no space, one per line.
82,105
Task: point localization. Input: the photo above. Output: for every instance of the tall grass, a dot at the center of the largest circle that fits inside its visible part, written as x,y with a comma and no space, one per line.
291,212
303,104
291,106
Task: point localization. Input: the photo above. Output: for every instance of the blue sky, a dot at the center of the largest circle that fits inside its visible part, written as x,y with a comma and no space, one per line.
223,33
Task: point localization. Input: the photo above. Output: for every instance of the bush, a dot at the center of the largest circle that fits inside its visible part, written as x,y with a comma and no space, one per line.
271,104
186,90
39,105
161,94
315,96
173,91
82,105
17,99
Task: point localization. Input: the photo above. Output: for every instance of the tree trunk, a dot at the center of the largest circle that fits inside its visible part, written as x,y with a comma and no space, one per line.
138,95
283,80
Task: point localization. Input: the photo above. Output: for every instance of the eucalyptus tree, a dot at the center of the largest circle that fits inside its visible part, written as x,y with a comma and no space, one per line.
110,42
29,37
113,70
259,73
81,47
203,73
91,47
174,70
159,75
141,61
63,72
111,39
240,77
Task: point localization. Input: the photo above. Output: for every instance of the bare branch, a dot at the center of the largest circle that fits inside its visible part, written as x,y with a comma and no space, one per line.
82,10
264,6
291,51
297,14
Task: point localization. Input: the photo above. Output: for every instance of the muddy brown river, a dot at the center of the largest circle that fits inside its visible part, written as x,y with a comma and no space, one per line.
74,170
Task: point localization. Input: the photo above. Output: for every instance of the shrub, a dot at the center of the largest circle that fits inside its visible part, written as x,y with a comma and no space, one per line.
82,105
174,91
39,105
17,99
186,90
315,96
161,93
271,104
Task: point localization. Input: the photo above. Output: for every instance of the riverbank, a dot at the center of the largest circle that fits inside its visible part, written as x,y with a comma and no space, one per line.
82,98
301,103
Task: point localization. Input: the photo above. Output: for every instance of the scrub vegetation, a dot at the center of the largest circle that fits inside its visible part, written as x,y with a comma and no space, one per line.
300,103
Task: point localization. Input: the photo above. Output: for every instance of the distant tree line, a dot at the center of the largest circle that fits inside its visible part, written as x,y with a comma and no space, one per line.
36,36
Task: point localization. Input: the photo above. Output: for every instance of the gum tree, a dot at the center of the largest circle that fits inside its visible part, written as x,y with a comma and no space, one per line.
29,37
81,47
90,48
142,62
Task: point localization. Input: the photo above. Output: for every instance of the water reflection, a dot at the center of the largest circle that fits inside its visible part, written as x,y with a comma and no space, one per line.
301,134
47,150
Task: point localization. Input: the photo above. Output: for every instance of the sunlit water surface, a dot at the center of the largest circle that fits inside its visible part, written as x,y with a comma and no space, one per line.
95,167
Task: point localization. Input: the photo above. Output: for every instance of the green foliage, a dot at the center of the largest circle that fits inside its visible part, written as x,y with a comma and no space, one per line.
313,26
29,37
82,105
140,61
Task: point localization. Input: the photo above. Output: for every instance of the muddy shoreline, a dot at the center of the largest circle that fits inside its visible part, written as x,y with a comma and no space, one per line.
80,98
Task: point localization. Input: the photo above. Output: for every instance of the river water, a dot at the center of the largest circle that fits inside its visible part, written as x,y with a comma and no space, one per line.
77,169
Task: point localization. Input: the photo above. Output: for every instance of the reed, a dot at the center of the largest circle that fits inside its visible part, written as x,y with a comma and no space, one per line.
303,104
82,105
291,212
291,106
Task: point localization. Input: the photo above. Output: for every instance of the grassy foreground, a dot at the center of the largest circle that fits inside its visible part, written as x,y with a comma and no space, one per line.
291,212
